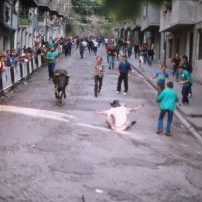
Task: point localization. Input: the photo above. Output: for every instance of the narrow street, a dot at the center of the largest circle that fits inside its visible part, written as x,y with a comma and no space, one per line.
52,153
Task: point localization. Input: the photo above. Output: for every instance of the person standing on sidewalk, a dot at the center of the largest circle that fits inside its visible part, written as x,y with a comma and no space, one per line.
124,70
98,76
167,99
187,66
176,62
51,56
161,77
186,82
150,53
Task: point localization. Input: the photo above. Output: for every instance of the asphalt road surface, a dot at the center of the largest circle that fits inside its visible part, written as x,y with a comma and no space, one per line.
52,153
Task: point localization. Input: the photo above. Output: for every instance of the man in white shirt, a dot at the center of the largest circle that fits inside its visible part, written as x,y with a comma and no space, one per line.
95,46
117,116
84,43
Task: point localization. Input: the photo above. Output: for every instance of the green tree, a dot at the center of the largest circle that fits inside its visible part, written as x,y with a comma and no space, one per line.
128,8
88,7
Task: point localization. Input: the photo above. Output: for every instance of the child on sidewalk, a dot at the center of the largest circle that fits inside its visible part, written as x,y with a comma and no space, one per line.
161,77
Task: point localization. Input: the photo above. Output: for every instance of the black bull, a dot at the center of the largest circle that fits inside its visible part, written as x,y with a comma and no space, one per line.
60,80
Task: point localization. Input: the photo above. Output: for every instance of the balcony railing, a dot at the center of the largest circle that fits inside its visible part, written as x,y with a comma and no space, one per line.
30,2
182,13
44,3
152,17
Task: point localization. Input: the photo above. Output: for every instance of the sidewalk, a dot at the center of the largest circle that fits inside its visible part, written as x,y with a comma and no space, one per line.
192,112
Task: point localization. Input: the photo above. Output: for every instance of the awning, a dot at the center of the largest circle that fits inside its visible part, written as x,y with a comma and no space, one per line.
151,28
44,8
54,12
128,29
137,28
177,27
31,3
60,15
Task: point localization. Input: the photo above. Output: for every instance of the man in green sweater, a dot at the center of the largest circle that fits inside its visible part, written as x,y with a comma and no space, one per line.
51,56
167,99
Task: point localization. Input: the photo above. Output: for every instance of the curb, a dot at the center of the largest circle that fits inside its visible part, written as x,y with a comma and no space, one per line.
178,112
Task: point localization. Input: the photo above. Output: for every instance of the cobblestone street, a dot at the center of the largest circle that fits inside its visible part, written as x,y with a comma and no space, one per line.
52,153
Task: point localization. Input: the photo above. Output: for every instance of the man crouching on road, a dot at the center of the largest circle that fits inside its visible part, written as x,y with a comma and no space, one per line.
117,116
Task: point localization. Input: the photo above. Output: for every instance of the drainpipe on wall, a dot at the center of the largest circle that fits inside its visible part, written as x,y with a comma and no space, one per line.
164,47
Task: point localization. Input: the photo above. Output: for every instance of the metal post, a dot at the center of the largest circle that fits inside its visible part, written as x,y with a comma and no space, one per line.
46,26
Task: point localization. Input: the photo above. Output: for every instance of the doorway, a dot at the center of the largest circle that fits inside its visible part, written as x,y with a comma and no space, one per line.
191,37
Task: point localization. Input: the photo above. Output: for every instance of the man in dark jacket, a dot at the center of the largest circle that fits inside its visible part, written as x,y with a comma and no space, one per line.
123,70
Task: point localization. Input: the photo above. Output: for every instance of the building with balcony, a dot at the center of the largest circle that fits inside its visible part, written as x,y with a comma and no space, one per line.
22,20
174,27
26,24
150,23
177,22
52,14
181,25
8,24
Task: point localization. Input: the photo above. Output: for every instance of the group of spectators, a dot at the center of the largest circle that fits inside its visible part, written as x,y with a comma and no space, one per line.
167,96
117,47
12,58
182,71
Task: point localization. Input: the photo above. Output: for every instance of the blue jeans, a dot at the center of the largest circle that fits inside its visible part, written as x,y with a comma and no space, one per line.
185,93
169,120
107,58
111,61
149,60
51,70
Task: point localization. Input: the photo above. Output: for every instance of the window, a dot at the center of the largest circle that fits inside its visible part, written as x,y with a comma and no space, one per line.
7,16
145,11
5,43
200,45
177,45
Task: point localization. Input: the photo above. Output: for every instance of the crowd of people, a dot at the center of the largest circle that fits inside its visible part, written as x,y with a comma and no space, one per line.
116,49
167,96
12,58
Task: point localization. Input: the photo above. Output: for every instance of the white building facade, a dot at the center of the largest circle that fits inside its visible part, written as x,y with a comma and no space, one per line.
181,25
22,20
